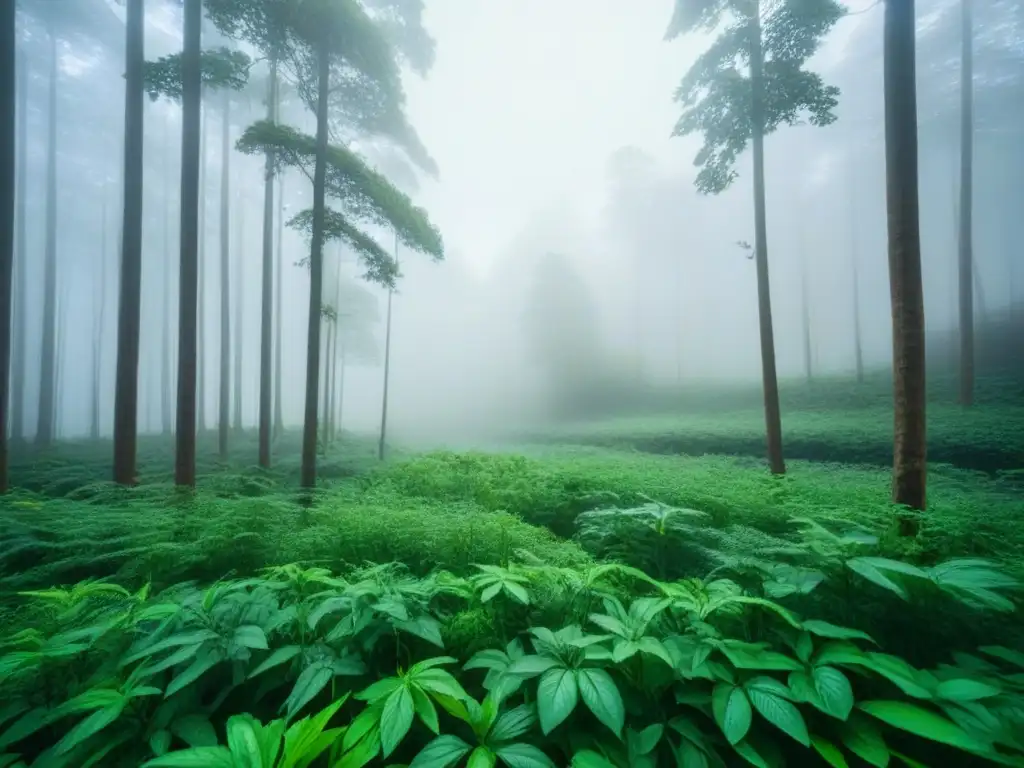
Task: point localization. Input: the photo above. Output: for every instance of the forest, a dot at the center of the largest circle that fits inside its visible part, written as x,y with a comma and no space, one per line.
526,384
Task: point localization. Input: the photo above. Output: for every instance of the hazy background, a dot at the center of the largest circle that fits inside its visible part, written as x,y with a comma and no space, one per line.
577,248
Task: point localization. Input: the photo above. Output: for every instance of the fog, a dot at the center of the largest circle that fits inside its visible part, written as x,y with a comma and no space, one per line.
579,255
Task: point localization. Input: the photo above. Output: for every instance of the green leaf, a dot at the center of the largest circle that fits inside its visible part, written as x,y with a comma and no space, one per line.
180,656
588,759
250,636
557,696
244,741
873,568
963,689
1006,654
514,723
425,709
279,656
396,719
688,755
602,697
195,730
518,592
921,722
198,757
834,692
310,682
380,690
531,666
771,699
829,752
426,627
732,712
443,752
862,737
833,632
439,681
193,672
644,742
487,659
482,757
25,726
94,723
184,638
160,742
524,756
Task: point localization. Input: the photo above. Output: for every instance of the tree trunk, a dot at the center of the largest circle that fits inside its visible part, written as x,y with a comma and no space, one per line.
224,385
805,307
267,291
99,323
333,355
166,375
18,365
59,428
907,295
204,144
278,316
8,173
858,347
770,383
316,271
185,437
239,312
48,359
387,371
341,387
966,238
126,388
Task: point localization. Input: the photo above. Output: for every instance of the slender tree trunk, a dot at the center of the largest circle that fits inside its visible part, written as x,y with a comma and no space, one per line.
333,354
185,437
858,347
278,316
224,385
805,307
341,386
48,361
772,411
239,311
126,392
966,238
316,270
59,428
204,144
166,374
8,172
267,291
324,384
99,323
21,300
907,295
387,371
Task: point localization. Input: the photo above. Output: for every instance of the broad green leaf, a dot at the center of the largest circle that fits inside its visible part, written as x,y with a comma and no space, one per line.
589,759
488,659
184,638
523,756
644,742
396,719
94,723
244,741
440,681
193,672
180,656
688,755
425,627
279,656
898,672
518,592
26,725
490,592
1006,654
732,711
197,757
833,632
602,697
829,752
482,757
425,709
531,666
310,682
380,690
834,692
873,569
747,751
195,730
921,722
771,699
624,649
557,695
514,723
443,752
963,689
862,737
160,742
250,636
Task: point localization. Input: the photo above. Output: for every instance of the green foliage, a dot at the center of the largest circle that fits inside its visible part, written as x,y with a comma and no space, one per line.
381,267
716,93
220,68
364,194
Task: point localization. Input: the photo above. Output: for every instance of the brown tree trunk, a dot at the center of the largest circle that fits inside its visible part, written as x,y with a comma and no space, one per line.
224,385
100,324
239,314
770,383
20,298
907,295
382,442
45,422
8,173
185,437
267,291
966,238
126,387
278,316
166,374
316,271
201,275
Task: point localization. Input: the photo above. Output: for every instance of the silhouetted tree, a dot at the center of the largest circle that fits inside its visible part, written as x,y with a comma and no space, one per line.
8,172
966,228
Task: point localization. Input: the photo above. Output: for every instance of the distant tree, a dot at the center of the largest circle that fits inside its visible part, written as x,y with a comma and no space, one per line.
731,108
19,328
858,346
126,383
966,228
905,283
8,173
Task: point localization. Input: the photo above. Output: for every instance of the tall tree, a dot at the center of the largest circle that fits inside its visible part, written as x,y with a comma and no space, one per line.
858,347
278,316
8,163
20,323
905,283
966,235
99,323
166,374
46,416
126,387
805,311
267,291
731,108
191,97
239,314
387,370
224,385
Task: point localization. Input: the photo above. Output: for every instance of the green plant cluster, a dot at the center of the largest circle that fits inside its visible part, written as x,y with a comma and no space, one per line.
525,665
